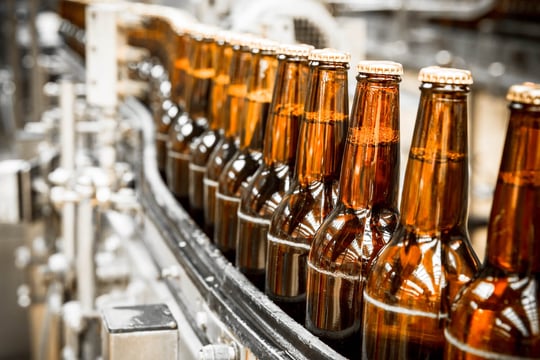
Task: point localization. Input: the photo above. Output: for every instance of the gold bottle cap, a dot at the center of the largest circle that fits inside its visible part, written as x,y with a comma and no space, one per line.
442,75
241,39
264,44
526,93
301,50
224,36
383,67
328,54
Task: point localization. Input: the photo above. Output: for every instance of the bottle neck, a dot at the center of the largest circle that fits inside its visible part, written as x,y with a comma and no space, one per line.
286,111
370,171
202,72
513,242
435,190
258,98
324,124
218,95
237,90
179,74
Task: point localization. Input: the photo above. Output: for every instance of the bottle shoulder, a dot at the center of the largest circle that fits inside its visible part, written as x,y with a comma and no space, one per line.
265,190
182,133
303,210
501,308
422,272
222,153
237,172
202,146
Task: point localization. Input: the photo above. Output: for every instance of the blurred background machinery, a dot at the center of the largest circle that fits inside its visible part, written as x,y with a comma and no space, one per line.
169,286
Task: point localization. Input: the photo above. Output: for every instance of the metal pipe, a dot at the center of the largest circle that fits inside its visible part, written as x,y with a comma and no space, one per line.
36,80
86,287
68,234
67,126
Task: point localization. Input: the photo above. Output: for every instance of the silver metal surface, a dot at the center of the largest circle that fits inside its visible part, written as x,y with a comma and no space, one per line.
139,332
15,191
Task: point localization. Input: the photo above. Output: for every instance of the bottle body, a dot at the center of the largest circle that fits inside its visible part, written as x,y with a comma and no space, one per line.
202,146
234,180
268,185
313,191
236,174
225,148
491,318
366,214
175,106
429,258
194,121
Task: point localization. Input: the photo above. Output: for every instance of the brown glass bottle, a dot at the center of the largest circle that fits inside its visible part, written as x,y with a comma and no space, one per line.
313,192
272,179
194,120
496,316
365,215
173,107
429,258
202,146
228,144
248,157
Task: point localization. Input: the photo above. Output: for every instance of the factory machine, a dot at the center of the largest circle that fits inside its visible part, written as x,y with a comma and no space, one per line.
109,264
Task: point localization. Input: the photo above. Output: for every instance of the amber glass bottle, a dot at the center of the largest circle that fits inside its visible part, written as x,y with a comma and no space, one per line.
194,120
313,192
366,213
173,107
202,146
226,147
248,157
273,178
496,316
429,258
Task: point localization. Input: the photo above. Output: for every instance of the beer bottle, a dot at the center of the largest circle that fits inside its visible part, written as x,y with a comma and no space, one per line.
194,120
496,315
175,105
429,257
202,146
272,179
225,149
313,192
365,215
248,157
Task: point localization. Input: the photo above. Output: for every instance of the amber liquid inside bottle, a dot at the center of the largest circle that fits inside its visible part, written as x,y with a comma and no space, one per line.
496,315
429,258
314,190
228,145
174,107
192,123
235,175
253,228
269,184
203,146
363,219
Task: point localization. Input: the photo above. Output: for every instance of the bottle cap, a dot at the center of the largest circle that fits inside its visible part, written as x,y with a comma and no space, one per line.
328,54
526,93
380,67
301,50
241,39
442,75
263,44
224,36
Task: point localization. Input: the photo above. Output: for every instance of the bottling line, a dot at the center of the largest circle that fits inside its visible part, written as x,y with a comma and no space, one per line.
100,260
